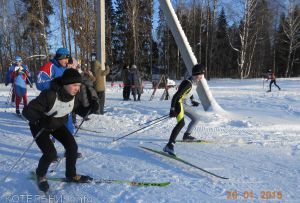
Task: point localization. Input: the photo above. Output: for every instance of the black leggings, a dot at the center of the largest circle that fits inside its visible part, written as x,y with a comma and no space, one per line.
273,81
180,122
45,144
176,131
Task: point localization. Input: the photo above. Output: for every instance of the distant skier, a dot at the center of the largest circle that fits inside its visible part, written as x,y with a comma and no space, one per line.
9,79
271,76
20,76
178,111
48,113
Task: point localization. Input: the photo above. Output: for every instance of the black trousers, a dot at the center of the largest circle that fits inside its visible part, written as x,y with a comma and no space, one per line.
271,82
176,131
126,92
180,122
47,147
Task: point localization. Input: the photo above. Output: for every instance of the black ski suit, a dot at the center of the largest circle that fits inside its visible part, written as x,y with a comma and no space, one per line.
177,100
39,113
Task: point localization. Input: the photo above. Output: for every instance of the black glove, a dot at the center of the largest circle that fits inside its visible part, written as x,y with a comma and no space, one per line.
6,84
45,123
172,112
194,103
94,105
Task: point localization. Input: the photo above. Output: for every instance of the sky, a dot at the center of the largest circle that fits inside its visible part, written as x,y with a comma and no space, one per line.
233,10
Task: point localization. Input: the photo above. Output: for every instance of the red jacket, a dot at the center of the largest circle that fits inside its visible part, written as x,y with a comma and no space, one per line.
20,70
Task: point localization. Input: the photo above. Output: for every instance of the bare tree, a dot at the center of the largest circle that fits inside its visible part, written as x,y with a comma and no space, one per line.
200,31
133,9
291,29
42,22
6,36
248,39
62,24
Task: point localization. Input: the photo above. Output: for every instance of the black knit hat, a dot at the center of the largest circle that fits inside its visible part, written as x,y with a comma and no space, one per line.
71,76
198,69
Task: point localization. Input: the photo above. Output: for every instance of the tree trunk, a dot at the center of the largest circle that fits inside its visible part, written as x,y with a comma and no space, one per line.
62,24
44,36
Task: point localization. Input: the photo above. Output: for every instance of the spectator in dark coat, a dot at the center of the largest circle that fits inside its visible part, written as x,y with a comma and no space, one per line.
136,83
126,83
87,90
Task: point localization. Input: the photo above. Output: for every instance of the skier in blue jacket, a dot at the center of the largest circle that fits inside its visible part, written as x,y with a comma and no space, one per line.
11,69
54,69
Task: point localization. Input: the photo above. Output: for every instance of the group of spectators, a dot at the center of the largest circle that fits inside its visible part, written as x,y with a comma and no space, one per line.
132,82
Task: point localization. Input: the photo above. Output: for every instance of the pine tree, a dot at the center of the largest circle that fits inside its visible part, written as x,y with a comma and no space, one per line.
110,32
32,18
281,47
221,59
262,59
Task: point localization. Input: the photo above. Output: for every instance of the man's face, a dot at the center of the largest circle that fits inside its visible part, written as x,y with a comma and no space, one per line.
19,63
72,89
197,78
63,62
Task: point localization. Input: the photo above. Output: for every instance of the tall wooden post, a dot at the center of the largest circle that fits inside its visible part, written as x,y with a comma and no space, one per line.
207,100
100,52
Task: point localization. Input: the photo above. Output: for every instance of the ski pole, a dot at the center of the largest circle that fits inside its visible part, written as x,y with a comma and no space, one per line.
29,146
56,166
84,119
9,98
154,120
31,85
9,95
139,129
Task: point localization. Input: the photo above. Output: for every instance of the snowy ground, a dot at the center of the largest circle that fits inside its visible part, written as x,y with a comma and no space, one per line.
267,170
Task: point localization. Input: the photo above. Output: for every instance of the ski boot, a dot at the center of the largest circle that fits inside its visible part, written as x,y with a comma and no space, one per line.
188,138
18,112
80,179
169,148
42,183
